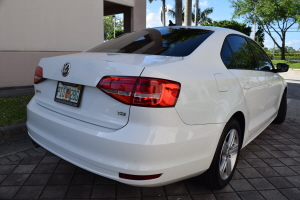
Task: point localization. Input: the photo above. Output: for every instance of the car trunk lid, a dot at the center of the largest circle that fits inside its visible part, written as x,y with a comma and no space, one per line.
87,69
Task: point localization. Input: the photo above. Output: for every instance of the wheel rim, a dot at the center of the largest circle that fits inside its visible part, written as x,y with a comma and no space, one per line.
229,153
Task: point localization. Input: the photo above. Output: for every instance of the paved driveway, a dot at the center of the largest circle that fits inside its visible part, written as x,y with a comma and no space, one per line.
292,77
268,168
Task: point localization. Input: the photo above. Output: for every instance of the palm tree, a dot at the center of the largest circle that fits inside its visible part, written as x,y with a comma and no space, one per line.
188,13
178,13
196,11
202,16
163,11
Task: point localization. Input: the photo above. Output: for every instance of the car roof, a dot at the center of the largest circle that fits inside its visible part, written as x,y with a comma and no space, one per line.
211,28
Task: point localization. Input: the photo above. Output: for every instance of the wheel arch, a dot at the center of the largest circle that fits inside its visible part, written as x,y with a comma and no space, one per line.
285,90
240,117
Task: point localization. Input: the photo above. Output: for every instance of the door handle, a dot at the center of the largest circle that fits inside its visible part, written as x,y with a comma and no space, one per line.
247,86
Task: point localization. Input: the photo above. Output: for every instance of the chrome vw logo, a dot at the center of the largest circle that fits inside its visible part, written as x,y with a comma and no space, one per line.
66,69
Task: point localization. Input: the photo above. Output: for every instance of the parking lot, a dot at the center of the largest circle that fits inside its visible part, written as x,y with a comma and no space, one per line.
268,168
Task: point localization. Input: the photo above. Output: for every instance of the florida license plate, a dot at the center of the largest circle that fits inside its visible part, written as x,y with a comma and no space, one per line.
68,93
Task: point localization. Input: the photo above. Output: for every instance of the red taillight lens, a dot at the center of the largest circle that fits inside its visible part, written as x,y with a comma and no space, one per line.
142,91
155,92
38,75
139,177
119,88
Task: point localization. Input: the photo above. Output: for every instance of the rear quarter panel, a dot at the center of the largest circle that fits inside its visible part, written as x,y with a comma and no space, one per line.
200,101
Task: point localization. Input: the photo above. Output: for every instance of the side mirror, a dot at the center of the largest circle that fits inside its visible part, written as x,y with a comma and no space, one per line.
282,67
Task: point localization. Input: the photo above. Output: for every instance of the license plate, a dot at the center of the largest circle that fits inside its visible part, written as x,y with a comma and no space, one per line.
68,93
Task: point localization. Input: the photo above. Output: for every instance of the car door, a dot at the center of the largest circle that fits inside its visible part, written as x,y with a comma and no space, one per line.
252,80
273,79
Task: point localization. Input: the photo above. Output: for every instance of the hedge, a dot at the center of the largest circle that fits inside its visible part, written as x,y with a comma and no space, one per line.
286,54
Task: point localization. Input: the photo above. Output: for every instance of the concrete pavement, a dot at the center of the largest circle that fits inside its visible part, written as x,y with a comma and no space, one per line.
292,77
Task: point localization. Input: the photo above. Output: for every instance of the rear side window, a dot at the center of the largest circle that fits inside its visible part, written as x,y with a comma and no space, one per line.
263,60
227,56
156,41
242,52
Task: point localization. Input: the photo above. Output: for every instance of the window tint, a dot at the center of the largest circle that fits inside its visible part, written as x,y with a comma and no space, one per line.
242,52
156,41
264,62
227,56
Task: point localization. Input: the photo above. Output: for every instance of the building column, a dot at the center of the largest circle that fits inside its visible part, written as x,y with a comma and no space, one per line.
128,18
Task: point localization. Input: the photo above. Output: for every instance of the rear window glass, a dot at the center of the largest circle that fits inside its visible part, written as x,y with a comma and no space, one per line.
156,41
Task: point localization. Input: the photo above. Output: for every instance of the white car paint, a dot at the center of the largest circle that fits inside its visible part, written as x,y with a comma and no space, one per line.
177,142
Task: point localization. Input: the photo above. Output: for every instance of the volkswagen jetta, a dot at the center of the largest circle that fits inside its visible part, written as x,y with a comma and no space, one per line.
158,105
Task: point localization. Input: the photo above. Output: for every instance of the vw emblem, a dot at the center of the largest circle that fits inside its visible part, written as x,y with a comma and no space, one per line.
66,69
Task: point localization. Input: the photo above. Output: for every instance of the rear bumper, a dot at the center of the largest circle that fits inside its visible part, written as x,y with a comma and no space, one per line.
155,141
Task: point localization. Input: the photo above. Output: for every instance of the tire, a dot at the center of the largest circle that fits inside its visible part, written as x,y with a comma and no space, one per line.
225,159
282,110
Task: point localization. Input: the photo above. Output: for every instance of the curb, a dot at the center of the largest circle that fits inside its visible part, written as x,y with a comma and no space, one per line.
13,132
16,91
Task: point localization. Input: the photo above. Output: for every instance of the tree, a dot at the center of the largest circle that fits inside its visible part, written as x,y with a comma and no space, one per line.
202,15
178,12
163,11
274,16
260,36
267,50
196,12
241,27
275,50
188,13
290,49
111,34
109,26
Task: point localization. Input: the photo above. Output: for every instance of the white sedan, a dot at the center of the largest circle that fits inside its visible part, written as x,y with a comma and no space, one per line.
158,105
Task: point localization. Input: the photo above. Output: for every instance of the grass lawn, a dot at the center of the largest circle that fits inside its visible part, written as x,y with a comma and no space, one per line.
13,109
294,65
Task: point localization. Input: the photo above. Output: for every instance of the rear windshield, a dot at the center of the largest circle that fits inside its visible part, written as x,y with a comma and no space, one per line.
156,41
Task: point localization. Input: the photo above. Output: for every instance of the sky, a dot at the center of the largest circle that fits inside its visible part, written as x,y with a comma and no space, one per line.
222,11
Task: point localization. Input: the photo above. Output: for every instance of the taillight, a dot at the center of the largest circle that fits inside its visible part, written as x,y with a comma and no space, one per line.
38,75
119,88
155,92
141,91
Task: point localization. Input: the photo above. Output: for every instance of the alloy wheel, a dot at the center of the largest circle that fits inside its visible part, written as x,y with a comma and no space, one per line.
229,153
